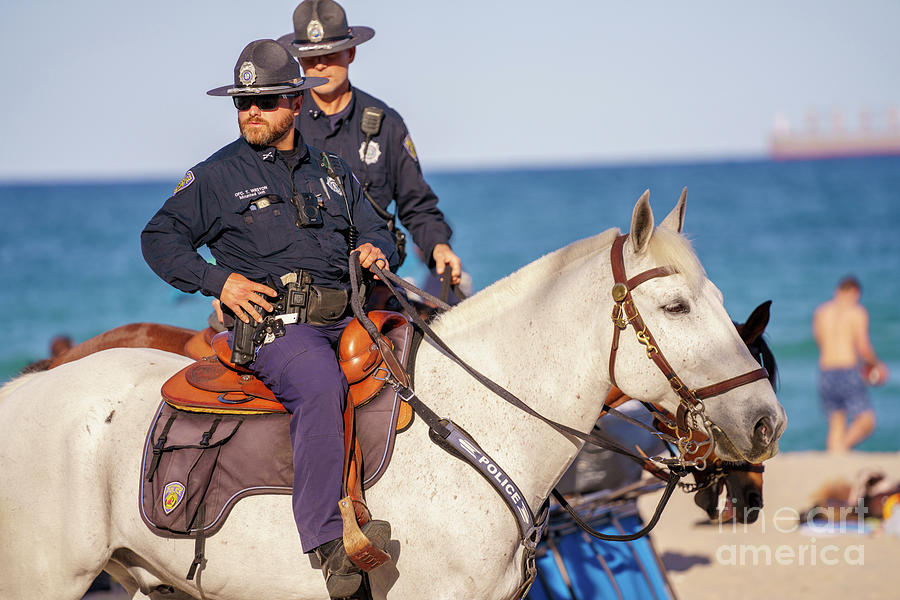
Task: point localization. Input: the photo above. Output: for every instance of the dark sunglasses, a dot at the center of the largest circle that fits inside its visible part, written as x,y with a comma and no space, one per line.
264,102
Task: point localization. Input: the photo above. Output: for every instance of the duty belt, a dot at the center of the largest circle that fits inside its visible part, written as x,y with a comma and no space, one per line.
301,302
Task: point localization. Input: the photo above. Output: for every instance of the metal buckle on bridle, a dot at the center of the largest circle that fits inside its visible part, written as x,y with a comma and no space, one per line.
645,340
676,383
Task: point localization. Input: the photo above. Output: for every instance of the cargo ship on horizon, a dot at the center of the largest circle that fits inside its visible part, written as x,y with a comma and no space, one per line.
836,142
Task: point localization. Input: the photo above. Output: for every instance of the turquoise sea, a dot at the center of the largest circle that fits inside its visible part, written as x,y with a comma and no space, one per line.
72,265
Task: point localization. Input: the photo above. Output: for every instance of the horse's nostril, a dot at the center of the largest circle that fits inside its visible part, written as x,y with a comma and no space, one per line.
763,431
754,500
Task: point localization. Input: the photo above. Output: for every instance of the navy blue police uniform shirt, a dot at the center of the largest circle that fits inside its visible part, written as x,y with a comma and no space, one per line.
390,167
238,203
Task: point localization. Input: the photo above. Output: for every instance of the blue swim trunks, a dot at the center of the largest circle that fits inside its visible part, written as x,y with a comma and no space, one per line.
843,389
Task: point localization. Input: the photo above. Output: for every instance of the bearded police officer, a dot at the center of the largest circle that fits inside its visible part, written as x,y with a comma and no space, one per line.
278,214
363,130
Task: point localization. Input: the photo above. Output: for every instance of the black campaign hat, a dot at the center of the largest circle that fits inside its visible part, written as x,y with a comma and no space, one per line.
266,67
320,27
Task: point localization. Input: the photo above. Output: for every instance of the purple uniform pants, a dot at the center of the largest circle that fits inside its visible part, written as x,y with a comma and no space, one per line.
301,368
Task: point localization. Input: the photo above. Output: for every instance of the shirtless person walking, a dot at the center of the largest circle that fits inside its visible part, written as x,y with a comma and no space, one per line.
841,330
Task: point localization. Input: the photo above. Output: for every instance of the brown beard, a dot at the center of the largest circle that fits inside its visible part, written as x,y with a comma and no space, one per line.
272,130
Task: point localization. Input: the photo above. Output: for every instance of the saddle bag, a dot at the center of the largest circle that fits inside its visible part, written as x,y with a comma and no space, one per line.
193,475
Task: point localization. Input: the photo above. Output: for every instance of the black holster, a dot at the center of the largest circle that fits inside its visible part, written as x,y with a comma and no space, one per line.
310,303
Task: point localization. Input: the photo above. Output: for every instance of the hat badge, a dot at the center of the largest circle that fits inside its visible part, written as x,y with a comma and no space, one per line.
247,73
314,31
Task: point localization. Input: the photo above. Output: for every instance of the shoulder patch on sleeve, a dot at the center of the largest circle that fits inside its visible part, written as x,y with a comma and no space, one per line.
187,180
410,148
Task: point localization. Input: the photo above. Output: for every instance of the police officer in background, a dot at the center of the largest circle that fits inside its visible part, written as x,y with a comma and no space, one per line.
365,131
277,213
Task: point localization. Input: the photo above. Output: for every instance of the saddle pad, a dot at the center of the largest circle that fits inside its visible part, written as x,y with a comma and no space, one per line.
209,459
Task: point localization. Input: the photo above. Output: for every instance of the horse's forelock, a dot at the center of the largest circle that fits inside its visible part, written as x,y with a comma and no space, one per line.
671,248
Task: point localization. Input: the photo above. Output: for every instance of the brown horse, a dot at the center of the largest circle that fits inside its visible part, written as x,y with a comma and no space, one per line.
134,335
742,481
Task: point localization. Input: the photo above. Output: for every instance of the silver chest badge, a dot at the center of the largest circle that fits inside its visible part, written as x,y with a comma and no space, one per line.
247,73
372,153
314,31
334,186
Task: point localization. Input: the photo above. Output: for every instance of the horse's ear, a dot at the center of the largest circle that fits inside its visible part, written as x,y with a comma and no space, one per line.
675,219
641,224
756,323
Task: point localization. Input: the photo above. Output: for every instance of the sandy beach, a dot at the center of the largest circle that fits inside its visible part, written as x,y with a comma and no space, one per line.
772,558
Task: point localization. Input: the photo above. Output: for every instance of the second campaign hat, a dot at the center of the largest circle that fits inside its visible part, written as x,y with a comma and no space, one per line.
320,27
266,67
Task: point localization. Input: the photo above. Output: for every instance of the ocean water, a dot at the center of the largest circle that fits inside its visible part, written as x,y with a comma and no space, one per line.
785,232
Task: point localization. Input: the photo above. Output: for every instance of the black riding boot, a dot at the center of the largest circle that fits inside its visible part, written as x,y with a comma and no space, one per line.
342,577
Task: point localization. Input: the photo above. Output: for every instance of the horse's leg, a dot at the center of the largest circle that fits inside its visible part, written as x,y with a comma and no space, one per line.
141,584
53,506
37,559
121,574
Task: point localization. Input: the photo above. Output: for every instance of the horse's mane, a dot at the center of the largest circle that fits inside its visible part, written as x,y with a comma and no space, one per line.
551,265
667,247
7,388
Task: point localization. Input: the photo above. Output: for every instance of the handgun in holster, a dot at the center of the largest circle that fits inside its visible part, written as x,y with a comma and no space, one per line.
293,301
242,349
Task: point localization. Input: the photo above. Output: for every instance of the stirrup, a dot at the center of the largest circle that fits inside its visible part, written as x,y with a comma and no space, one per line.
366,547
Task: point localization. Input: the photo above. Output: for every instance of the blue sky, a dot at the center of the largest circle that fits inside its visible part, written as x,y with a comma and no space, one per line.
111,89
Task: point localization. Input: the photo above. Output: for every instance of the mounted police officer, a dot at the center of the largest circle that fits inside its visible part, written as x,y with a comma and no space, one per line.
279,215
365,131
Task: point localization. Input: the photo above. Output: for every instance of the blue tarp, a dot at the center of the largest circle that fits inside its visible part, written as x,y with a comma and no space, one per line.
575,566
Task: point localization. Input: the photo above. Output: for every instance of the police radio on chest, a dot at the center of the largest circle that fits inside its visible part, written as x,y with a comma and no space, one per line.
371,122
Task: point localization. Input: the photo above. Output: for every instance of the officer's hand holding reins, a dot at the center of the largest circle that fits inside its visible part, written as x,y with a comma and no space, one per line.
370,255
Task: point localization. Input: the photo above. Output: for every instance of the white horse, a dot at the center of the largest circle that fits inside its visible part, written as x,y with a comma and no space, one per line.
71,439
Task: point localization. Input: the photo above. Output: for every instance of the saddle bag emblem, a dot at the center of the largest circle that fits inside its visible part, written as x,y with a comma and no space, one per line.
173,493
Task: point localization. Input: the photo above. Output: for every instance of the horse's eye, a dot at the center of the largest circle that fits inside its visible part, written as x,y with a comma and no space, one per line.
678,307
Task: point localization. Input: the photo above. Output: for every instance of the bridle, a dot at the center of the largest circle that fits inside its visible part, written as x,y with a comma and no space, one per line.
691,413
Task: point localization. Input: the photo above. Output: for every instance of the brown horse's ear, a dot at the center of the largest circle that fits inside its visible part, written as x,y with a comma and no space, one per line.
675,219
756,323
641,224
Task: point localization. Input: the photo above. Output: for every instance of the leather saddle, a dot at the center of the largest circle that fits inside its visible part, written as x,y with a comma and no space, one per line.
374,414
214,384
